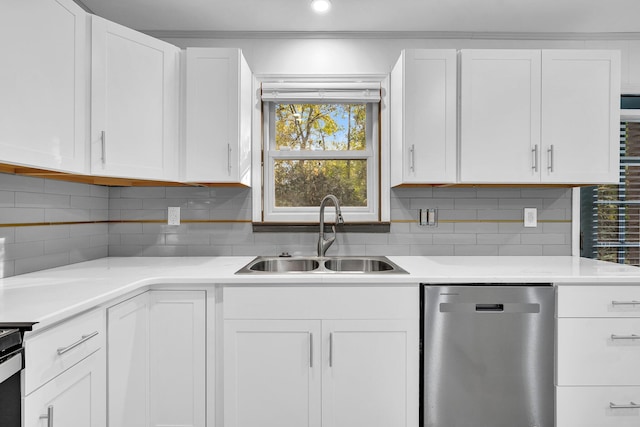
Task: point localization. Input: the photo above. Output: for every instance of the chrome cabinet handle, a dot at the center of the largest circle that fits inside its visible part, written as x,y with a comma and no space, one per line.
48,416
63,350
625,337
412,156
534,155
631,405
310,349
229,159
550,154
331,349
103,141
614,303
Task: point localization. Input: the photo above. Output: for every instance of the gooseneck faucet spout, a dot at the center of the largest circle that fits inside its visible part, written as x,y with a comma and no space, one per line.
323,244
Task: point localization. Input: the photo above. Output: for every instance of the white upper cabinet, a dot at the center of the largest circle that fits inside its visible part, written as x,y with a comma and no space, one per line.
580,116
423,117
134,104
43,82
530,116
499,116
218,116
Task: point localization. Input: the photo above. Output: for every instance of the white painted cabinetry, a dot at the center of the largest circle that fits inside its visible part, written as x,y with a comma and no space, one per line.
134,104
44,84
338,356
598,335
156,360
500,116
65,375
580,116
530,116
218,116
424,117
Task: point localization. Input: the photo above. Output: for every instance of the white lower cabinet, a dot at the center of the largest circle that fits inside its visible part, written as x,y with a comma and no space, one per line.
156,360
597,407
328,368
598,376
64,383
75,398
270,376
365,367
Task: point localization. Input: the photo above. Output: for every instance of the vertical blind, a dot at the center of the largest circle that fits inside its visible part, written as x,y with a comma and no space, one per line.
610,214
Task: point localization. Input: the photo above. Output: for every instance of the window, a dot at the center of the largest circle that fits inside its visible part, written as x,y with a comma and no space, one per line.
317,144
610,214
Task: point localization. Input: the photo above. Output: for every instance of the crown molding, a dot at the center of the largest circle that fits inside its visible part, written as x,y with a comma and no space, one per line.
84,6
164,34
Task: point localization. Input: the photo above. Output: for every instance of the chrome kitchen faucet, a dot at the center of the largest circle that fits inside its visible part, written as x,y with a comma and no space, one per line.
324,244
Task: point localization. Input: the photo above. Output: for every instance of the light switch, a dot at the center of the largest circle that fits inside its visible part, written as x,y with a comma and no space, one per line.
530,217
173,216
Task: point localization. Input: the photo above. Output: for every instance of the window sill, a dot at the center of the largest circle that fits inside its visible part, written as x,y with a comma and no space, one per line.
356,227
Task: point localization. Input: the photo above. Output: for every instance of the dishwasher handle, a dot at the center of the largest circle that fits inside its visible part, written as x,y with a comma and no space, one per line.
490,307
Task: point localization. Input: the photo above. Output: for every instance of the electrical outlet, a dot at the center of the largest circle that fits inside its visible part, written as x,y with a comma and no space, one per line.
428,217
173,217
530,217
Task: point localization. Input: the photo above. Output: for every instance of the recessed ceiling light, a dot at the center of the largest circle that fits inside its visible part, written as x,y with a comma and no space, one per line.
320,6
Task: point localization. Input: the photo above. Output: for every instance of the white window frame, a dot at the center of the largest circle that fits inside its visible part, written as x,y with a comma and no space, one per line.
273,213
258,142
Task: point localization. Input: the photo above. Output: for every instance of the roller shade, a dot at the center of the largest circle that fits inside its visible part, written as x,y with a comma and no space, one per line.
333,92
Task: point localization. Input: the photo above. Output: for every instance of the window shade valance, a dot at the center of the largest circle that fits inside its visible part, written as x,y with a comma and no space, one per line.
338,92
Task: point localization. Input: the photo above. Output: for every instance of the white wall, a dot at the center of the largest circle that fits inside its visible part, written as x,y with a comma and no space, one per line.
328,56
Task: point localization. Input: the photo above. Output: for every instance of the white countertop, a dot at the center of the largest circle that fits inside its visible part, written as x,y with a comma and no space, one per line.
52,295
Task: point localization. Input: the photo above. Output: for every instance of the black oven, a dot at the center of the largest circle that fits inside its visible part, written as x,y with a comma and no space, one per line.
11,366
11,363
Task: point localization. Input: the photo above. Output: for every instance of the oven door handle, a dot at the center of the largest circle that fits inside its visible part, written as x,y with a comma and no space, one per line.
11,364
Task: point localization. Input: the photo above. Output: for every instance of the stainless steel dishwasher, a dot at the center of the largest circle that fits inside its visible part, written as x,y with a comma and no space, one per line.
488,354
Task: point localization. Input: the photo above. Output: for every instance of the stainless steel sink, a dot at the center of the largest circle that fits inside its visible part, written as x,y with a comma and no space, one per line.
330,265
363,265
283,265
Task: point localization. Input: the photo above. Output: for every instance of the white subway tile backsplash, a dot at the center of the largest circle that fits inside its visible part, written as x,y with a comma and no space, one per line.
28,265
67,188
41,233
67,215
471,223
7,199
21,183
37,200
21,215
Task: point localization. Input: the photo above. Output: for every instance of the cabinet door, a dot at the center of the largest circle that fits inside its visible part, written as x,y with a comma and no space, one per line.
218,116
75,398
43,82
272,373
177,358
423,117
500,116
591,407
134,104
371,373
598,352
128,362
580,116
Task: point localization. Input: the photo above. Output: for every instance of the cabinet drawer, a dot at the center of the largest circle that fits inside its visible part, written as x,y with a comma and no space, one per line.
591,407
321,302
598,352
53,351
598,301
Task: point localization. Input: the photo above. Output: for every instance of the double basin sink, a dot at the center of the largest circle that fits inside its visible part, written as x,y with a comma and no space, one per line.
284,265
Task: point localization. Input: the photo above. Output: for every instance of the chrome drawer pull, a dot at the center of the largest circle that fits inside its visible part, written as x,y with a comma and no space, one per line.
63,350
631,405
614,303
48,417
625,337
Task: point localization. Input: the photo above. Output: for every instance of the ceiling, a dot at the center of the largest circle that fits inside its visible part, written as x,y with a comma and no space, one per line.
509,16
